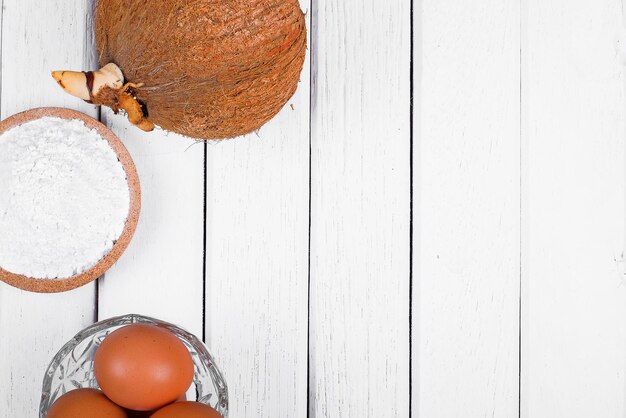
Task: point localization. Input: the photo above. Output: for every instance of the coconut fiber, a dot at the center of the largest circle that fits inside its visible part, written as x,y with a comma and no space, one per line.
210,69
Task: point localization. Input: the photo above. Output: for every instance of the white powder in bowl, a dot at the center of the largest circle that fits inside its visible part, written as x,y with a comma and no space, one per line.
64,198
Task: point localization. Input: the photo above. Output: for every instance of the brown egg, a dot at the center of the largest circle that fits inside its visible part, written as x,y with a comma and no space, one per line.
147,414
82,403
143,367
186,410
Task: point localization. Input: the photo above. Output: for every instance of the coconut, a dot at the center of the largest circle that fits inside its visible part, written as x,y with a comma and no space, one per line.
207,69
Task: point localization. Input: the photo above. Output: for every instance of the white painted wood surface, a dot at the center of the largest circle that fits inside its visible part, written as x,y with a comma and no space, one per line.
466,209
161,272
33,326
302,286
257,261
574,334
360,210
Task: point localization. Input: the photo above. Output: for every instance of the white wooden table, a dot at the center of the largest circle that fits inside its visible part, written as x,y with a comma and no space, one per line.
458,254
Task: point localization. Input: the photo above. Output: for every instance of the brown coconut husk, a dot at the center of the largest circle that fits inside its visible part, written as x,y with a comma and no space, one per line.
210,69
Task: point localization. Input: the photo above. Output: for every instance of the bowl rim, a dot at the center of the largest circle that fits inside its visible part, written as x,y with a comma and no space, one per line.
64,284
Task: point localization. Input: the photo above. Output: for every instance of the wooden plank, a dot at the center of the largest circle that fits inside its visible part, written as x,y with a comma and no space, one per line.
466,209
161,273
574,338
257,261
38,37
360,189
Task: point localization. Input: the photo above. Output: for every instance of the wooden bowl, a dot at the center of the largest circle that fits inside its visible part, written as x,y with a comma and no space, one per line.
65,284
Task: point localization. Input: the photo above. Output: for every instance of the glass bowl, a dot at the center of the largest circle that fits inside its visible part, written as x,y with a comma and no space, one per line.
72,367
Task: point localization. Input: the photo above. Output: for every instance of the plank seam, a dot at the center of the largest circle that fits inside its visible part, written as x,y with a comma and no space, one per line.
88,57
521,194
312,84
411,162
204,243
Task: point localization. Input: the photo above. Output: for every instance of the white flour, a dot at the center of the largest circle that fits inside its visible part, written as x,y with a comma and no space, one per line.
64,198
